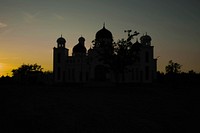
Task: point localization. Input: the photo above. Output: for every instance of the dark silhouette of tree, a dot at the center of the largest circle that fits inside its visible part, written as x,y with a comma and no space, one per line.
125,54
173,73
178,78
192,72
173,67
119,55
28,73
5,80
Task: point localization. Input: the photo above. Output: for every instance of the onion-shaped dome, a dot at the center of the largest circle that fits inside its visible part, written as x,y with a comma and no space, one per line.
90,50
61,40
137,43
145,39
81,39
80,47
103,34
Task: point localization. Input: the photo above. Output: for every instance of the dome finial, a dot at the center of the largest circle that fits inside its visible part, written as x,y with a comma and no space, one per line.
104,25
103,34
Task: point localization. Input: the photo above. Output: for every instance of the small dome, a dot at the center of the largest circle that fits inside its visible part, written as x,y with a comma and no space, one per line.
90,50
136,43
136,46
104,33
61,40
145,38
79,49
81,39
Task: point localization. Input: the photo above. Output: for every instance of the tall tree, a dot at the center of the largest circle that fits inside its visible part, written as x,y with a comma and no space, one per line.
173,67
122,54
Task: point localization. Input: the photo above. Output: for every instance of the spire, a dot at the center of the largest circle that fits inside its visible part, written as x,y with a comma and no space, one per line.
61,35
104,25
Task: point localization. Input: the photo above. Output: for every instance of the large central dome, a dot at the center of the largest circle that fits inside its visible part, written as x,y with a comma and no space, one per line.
103,34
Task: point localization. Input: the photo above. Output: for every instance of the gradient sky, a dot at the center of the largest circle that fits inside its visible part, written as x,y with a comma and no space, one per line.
29,28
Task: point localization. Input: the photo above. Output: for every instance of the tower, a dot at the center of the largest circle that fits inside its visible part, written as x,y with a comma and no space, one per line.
59,55
148,62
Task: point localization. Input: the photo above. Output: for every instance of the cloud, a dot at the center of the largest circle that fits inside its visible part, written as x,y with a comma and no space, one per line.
29,18
59,17
2,25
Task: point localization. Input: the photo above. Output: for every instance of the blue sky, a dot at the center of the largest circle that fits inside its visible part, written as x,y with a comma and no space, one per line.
29,29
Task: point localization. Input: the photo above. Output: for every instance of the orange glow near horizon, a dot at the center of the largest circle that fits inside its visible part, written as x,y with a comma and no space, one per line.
5,70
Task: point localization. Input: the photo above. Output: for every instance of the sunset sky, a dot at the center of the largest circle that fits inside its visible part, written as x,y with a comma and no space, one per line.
29,28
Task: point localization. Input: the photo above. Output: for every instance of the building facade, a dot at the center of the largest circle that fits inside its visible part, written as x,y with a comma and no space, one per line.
85,66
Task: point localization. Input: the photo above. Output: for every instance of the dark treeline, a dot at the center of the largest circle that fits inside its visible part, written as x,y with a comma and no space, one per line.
33,75
183,78
28,74
173,75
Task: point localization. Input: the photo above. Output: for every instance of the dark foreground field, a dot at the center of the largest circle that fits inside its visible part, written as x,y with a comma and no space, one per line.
51,109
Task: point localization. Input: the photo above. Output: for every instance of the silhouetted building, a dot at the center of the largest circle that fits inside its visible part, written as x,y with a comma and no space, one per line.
84,65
